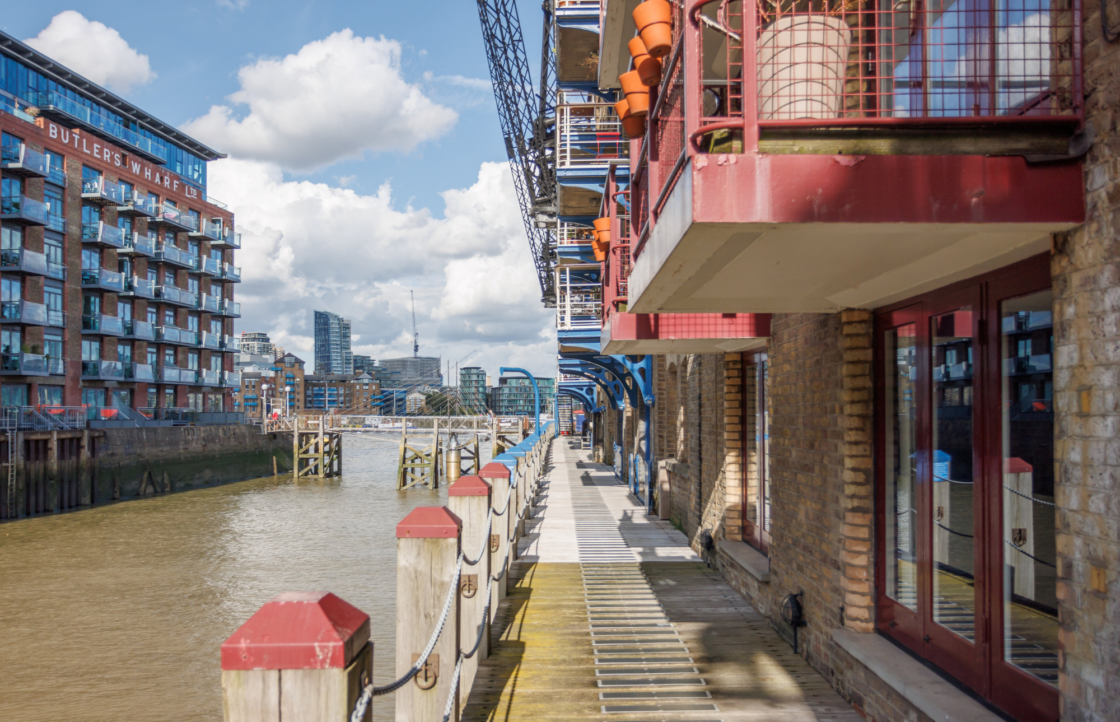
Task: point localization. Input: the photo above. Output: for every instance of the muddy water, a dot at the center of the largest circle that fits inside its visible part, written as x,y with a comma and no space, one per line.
117,613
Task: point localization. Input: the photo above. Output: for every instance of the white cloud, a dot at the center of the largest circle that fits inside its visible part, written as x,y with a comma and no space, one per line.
459,80
312,246
94,50
233,4
334,99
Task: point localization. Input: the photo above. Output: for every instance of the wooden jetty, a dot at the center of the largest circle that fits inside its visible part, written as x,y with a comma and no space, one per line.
317,452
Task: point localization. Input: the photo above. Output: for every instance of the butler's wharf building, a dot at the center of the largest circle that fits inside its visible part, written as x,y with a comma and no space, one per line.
118,270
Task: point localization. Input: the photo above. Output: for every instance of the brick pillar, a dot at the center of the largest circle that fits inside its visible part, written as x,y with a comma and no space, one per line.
733,446
856,503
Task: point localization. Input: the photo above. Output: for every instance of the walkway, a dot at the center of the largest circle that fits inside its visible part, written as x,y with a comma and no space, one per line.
613,617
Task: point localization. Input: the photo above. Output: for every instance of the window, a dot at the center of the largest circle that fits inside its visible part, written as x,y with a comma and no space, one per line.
52,298
10,340
169,357
124,352
756,443
91,349
192,284
168,317
169,398
52,247
153,315
192,321
13,395
53,197
153,274
216,327
169,278
52,344
193,248
192,360
215,362
91,304
125,224
965,484
153,359
11,238
124,310
11,187
94,398
91,259
56,168
50,395
126,191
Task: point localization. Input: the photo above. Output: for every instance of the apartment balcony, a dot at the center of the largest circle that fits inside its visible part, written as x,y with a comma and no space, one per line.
210,266
210,378
102,191
56,366
18,159
24,364
172,217
139,244
23,210
211,341
172,375
103,370
207,231
175,256
175,335
229,308
231,272
144,373
789,177
56,318
210,304
177,296
23,260
103,279
232,379
102,234
139,288
139,205
55,105
577,39
139,330
231,343
102,324
27,313
227,239
57,222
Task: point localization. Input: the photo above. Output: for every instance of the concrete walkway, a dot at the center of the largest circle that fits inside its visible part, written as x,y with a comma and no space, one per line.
612,617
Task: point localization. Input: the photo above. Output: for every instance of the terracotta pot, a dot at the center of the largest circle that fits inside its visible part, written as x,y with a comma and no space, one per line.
623,109
600,253
654,19
601,224
634,125
637,94
649,69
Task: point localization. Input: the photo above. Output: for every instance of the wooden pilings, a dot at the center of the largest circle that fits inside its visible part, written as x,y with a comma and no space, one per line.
45,472
469,499
317,452
418,466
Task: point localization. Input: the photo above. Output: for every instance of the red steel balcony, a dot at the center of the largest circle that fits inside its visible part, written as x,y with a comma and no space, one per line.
808,156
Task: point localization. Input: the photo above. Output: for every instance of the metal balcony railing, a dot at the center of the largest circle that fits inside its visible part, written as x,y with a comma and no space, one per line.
175,217
136,203
176,256
51,102
140,287
231,343
231,272
20,159
103,324
102,190
103,278
211,341
21,209
25,312
210,266
211,378
228,239
23,260
142,330
56,222
210,303
102,233
179,296
232,378
579,302
139,372
229,308
572,234
108,370
589,134
140,244
23,364
56,318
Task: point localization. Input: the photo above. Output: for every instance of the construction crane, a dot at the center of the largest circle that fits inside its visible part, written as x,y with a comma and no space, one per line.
415,333
528,121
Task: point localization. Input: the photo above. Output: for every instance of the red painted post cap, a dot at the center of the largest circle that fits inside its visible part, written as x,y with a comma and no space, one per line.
494,470
469,486
429,522
1015,465
298,630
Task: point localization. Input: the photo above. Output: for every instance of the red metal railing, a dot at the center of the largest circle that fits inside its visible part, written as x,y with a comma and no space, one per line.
736,69
616,269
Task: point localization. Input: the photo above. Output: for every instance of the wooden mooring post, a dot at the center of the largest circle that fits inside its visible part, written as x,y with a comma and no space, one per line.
469,499
317,452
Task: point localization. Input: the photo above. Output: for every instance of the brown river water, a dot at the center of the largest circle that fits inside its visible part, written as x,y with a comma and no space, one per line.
117,612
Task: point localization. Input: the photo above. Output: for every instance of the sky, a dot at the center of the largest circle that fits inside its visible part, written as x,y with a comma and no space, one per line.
365,160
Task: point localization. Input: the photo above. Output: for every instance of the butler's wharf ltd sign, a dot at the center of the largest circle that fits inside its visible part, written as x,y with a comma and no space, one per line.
106,153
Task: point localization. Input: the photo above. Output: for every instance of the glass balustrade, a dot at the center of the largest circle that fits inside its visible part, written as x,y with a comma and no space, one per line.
20,159
50,101
23,210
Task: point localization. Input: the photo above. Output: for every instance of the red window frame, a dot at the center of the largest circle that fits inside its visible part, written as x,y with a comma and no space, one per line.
979,664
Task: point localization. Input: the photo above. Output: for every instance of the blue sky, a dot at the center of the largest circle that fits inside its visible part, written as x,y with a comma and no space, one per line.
364,164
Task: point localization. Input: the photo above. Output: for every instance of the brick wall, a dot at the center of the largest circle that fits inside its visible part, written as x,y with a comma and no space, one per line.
1087,374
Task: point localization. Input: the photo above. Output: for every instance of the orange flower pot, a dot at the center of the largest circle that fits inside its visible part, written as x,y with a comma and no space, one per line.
600,253
623,109
654,19
634,125
601,224
649,69
637,94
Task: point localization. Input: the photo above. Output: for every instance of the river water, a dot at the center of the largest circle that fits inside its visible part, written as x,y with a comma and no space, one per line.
117,612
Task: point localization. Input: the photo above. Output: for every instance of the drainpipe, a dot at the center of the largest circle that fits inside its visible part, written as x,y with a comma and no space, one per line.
536,393
649,463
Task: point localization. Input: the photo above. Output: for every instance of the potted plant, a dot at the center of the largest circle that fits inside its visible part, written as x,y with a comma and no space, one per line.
802,58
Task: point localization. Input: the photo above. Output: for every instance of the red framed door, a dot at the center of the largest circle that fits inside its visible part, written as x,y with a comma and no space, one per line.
966,573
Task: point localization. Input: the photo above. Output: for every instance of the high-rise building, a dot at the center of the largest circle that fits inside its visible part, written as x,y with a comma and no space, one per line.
414,371
257,343
118,267
513,396
332,344
472,389
364,364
